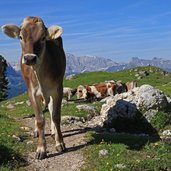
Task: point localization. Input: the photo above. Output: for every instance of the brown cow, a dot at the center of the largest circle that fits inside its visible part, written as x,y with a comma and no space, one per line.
43,66
69,92
96,91
131,85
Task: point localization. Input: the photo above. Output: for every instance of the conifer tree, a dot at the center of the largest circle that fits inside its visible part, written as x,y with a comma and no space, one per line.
3,79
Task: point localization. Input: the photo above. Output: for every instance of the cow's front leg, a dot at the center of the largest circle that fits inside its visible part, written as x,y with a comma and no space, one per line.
36,130
55,112
41,146
40,126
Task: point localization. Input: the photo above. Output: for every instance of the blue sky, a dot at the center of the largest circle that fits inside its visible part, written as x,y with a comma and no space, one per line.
114,29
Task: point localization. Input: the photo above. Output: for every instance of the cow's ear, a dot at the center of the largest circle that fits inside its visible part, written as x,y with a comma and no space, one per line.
54,32
11,30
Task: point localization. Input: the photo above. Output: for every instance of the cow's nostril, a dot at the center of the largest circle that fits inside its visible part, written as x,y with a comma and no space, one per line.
30,59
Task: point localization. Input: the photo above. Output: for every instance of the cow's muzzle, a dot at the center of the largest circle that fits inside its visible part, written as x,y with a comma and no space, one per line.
29,59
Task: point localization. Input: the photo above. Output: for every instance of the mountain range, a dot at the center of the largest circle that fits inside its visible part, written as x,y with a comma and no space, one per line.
81,64
16,84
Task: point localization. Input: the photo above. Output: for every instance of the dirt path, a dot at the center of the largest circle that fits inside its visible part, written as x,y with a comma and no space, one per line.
71,160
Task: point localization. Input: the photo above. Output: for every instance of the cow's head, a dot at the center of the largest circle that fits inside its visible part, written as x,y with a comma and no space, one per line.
33,36
81,92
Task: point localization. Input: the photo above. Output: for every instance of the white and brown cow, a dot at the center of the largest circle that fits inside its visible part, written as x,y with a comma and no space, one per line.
68,92
121,87
96,91
131,85
43,66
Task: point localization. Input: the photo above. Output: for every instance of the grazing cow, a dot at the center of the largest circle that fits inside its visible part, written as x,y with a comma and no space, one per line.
96,91
130,85
68,92
121,87
43,66
81,92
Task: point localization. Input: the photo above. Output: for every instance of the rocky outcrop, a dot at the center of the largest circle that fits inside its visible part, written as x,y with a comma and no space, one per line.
146,99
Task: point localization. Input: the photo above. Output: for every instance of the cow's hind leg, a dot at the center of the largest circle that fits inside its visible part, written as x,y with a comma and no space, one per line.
55,111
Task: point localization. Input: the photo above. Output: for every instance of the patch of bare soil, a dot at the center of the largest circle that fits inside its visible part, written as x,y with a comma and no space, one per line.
71,160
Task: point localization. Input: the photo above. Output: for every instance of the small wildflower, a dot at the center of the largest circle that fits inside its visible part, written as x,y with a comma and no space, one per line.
156,144
137,161
102,142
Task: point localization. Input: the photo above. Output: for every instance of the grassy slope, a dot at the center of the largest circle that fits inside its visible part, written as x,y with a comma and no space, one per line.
135,153
8,157
155,78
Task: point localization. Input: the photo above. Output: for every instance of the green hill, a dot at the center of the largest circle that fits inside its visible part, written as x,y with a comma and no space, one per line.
155,76
12,156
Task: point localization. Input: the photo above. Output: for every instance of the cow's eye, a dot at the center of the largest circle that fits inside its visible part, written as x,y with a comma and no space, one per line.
20,37
43,38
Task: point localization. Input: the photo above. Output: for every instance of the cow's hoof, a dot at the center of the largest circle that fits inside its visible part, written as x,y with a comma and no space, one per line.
36,134
61,148
41,155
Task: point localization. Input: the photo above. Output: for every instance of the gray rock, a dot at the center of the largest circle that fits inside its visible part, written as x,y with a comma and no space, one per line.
29,142
167,132
72,120
126,104
16,138
91,111
25,128
10,106
19,103
151,98
103,153
122,108
168,99
105,99
86,108
120,166
149,114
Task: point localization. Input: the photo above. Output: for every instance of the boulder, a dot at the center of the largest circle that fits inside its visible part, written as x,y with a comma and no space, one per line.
91,110
150,98
126,105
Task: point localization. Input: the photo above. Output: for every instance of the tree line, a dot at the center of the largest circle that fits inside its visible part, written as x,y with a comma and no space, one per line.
3,79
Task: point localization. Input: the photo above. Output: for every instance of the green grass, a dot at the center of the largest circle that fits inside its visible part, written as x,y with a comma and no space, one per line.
11,151
161,120
136,153
133,152
155,78
19,110
70,110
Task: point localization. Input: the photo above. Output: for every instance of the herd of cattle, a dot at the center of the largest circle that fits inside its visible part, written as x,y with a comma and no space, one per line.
99,90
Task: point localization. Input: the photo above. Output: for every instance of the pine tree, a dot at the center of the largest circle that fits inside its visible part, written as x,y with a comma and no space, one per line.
3,79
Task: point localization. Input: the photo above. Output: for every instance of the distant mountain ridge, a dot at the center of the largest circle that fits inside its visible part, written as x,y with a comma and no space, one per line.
135,61
81,64
87,64
16,83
